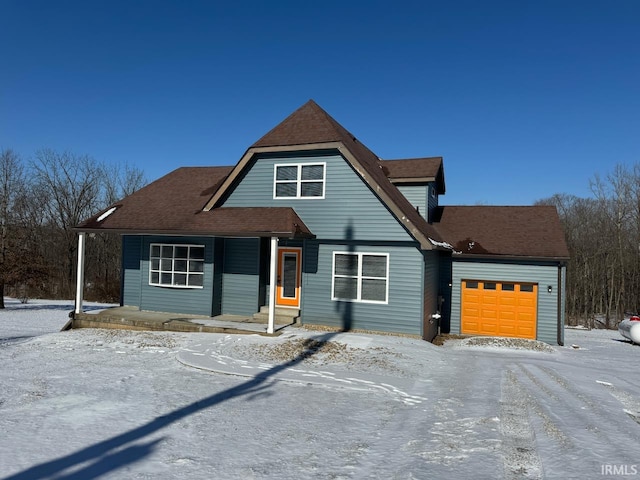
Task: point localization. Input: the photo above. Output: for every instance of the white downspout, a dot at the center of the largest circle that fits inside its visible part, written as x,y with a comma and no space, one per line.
273,266
80,273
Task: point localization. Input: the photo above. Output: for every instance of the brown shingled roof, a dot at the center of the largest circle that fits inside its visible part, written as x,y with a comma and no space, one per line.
311,127
529,231
173,205
416,170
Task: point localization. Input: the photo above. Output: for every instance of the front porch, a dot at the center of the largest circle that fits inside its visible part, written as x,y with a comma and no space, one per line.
131,318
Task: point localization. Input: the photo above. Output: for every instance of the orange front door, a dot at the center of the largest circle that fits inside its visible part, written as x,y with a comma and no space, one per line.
289,276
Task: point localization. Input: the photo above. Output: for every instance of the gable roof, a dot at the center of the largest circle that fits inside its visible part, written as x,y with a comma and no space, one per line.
520,231
415,171
173,205
311,128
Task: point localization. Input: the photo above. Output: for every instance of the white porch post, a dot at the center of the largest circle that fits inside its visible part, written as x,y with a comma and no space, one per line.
80,273
273,266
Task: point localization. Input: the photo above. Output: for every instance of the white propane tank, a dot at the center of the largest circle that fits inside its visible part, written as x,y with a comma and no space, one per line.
629,328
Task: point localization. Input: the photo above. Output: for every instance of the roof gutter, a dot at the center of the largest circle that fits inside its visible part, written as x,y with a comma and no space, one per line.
467,256
196,233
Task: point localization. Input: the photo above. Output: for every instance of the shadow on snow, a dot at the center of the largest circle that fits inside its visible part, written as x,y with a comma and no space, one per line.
120,450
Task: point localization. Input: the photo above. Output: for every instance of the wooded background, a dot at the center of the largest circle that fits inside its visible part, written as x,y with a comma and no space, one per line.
603,236
42,199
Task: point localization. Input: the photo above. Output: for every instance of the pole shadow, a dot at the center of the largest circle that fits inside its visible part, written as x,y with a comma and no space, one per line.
119,451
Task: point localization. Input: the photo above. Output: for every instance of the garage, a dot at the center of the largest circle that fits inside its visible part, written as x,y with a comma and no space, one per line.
505,309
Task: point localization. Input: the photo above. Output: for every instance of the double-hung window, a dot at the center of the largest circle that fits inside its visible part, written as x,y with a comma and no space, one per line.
300,180
178,266
360,277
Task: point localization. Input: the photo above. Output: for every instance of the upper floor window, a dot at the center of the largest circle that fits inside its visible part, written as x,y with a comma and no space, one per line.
178,266
301,180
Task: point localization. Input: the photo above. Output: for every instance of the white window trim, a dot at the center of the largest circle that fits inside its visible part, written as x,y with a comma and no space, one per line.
299,180
359,278
160,284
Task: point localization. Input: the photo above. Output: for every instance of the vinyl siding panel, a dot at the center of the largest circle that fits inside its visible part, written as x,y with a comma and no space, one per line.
417,196
543,275
196,301
445,291
241,276
431,291
350,210
402,314
432,200
131,276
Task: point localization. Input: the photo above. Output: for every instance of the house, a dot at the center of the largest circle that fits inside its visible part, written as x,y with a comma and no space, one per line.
312,222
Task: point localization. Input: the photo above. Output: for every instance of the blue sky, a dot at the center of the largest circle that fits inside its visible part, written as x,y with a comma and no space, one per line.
522,99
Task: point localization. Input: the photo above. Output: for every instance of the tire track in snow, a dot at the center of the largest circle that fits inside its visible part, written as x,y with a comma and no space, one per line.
520,456
630,404
575,418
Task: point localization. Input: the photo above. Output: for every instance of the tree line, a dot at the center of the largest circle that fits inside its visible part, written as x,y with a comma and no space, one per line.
603,236
41,201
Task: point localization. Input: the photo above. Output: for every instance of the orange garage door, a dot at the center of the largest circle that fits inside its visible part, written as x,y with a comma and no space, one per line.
500,309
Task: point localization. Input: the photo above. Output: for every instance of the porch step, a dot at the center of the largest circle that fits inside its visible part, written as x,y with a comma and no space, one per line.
284,316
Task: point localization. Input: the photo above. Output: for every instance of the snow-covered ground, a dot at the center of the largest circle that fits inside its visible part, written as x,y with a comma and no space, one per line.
86,404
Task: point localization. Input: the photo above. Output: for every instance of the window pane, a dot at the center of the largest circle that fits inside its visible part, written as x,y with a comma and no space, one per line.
374,290
165,279
195,280
155,277
312,172
196,253
374,266
180,279
311,189
155,264
286,190
167,251
472,284
155,250
489,286
526,288
508,287
290,276
196,266
346,264
166,264
181,252
345,288
287,173
180,266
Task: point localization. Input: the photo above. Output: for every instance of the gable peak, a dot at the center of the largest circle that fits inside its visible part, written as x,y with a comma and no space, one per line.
307,125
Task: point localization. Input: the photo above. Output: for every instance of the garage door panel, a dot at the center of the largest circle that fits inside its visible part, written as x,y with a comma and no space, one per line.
495,308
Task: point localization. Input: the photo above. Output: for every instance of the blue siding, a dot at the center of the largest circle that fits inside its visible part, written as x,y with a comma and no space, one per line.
431,291
417,196
403,313
131,276
350,210
241,276
197,301
432,200
543,275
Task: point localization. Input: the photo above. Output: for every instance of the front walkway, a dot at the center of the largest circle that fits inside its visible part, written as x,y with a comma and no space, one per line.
130,318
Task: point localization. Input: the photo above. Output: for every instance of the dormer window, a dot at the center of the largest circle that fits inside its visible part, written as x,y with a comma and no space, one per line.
299,180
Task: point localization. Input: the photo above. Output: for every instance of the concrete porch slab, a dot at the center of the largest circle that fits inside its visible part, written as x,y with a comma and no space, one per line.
130,318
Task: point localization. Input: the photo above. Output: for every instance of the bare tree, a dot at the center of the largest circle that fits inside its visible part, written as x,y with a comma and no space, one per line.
603,236
12,181
102,270
70,188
